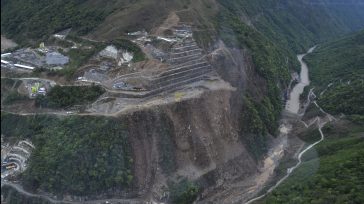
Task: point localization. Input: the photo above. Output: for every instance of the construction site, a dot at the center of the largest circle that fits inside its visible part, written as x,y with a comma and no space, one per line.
175,67
30,59
14,158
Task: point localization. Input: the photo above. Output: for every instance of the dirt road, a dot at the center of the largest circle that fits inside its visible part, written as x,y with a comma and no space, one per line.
20,189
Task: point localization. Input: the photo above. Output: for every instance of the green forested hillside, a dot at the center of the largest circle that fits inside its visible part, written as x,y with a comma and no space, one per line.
67,96
341,64
344,98
292,24
77,155
301,23
331,173
335,61
34,19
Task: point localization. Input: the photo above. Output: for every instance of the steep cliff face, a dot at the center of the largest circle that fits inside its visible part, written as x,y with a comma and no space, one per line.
188,139
202,139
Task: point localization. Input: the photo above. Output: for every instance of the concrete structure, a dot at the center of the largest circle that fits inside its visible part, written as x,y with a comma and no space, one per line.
166,39
24,66
28,56
120,85
4,62
183,31
126,57
6,54
56,58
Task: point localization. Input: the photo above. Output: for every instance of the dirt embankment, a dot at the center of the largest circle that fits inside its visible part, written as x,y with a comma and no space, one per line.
6,43
196,138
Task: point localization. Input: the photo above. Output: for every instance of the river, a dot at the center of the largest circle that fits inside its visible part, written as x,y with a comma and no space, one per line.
293,103
293,106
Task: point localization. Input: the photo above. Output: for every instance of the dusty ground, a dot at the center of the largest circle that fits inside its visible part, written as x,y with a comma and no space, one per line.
6,43
240,190
117,106
147,68
195,127
203,140
172,20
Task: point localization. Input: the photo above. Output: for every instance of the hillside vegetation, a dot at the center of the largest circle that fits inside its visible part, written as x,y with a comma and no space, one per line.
344,98
341,63
66,96
301,23
330,173
290,23
33,19
335,61
273,32
9,92
77,155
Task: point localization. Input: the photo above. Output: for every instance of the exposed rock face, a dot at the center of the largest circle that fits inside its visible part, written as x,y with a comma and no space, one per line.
188,139
109,52
126,57
56,58
198,138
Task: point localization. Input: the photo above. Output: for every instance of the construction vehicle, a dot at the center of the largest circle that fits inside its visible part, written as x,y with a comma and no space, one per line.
11,166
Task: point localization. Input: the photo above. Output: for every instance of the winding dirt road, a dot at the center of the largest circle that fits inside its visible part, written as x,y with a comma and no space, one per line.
20,189
320,125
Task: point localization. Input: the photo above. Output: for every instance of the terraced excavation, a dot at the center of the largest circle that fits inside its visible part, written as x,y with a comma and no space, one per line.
187,65
14,157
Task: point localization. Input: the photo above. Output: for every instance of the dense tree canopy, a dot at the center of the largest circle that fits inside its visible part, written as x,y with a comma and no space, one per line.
77,155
